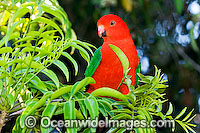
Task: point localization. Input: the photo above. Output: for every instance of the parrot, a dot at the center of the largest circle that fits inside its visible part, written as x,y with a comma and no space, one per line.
105,66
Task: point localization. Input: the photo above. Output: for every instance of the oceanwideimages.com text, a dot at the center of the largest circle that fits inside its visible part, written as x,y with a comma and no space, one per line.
45,122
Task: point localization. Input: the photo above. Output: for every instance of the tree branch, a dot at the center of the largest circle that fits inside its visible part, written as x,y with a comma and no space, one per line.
2,119
187,58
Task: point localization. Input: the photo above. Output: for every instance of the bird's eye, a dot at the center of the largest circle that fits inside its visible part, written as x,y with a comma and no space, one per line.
112,23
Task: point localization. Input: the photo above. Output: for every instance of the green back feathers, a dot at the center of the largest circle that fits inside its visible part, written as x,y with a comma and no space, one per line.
138,69
94,63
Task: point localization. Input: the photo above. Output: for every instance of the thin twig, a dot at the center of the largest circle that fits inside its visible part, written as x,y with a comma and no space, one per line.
187,58
121,82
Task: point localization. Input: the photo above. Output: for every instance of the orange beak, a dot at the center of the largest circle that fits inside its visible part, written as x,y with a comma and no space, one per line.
101,31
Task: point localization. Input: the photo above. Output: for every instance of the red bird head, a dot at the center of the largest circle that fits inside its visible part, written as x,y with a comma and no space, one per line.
111,27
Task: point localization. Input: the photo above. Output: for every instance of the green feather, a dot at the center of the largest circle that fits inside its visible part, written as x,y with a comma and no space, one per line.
94,63
138,69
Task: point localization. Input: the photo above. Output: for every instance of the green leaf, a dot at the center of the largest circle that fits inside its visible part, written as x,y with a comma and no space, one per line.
17,128
193,41
11,29
40,103
19,13
6,50
58,13
179,5
53,11
11,99
181,113
79,115
84,45
161,86
103,110
113,130
81,103
108,110
48,112
61,91
127,111
170,110
35,65
122,57
139,130
188,115
192,125
82,51
145,79
121,130
141,89
161,115
72,60
81,84
2,62
138,70
191,118
87,130
52,76
121,116
37,82
94,63
5,15
145,112
47,33
106,103
69,113
182,125
104,91
49,22
62,66
25,112
188,127
92,106
158,94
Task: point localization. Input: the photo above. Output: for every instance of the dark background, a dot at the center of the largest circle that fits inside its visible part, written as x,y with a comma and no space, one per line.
166,34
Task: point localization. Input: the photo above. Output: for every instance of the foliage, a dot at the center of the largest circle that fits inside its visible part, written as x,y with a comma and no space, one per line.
34,36
143,102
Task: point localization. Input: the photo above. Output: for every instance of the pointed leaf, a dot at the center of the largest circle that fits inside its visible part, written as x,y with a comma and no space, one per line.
72,60
25,112
189,114
69,113
61,91
52,76
49,22
64,69
37,82
181,113
5,50
11,99
122,57
81,84
182,125
48,112
92,106
170,110
109,92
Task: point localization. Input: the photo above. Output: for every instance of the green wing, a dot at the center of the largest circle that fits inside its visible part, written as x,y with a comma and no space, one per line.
138,69
94,63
